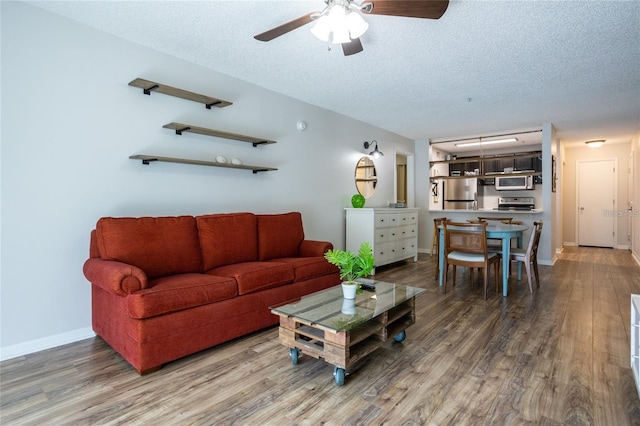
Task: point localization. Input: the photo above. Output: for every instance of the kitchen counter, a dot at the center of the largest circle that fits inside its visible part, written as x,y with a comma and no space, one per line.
497,212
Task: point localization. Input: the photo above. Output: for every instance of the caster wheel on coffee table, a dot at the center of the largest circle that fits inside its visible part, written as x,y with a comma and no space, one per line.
339,374
295,354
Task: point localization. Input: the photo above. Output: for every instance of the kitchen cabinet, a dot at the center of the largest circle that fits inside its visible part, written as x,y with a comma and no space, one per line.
489,165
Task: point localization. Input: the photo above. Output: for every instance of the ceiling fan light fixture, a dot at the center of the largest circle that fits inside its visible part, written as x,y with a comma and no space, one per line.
339,25
357,25
322,28
340,36
595,144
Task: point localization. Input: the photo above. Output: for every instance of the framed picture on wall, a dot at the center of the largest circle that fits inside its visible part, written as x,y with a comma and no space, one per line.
553,173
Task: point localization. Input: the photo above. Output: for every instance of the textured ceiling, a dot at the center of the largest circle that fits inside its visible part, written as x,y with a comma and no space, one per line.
485,67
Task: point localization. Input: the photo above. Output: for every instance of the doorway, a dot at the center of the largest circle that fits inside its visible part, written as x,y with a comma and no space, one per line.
596,201
404,178
401,178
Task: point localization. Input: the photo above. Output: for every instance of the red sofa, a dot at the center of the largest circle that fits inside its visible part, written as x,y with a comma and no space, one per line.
166,287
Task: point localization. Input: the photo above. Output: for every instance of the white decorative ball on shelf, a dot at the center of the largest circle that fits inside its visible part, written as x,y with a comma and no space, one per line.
221,159
236,161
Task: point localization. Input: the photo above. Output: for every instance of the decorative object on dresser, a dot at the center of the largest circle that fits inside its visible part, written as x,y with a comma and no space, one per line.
166,287
352,266
394,233
357,201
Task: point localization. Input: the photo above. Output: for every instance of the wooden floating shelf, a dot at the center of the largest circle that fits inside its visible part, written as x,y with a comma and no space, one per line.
180,128
148,159
148,86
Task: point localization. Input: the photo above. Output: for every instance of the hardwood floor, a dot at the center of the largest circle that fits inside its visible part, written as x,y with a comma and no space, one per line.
559,356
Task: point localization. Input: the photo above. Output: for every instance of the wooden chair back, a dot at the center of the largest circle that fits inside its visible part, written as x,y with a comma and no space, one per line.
465,237
534,241
506,220
435,240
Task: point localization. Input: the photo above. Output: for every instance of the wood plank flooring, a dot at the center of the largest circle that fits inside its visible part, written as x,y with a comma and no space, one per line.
557,357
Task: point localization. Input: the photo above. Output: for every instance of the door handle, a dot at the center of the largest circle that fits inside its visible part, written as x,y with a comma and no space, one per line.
581,208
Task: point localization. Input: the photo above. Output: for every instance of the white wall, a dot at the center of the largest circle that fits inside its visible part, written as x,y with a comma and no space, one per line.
69,124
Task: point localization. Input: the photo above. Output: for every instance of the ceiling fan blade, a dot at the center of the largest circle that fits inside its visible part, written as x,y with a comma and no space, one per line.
430,9
284,28
353,47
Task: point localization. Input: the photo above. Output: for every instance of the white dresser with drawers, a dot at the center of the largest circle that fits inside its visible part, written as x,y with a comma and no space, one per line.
393,233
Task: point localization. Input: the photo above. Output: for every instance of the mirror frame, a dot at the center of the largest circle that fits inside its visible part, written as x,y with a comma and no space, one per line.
366,177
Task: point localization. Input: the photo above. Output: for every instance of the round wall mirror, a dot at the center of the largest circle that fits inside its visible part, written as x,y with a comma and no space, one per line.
366,177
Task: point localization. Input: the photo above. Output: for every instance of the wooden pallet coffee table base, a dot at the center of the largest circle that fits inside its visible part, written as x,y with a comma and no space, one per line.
344,348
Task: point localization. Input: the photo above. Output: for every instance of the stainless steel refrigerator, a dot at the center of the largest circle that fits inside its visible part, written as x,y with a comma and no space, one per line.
460,194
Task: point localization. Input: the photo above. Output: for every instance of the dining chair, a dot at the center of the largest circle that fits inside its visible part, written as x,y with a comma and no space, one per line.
506,220
495,242
435,240
466,245
529,256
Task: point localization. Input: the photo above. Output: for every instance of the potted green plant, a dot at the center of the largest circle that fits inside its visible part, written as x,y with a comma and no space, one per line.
352,266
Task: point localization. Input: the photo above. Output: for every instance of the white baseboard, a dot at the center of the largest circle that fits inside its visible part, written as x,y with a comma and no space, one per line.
569,244
45,343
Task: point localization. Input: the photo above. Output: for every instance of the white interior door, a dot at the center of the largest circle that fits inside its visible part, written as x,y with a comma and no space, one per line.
596,187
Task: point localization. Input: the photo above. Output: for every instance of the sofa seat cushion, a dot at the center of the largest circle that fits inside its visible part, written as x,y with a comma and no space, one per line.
228,238
177,292
305,268
160,246
256,276
279,235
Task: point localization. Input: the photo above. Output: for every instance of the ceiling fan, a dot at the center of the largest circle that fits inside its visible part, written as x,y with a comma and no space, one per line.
341,22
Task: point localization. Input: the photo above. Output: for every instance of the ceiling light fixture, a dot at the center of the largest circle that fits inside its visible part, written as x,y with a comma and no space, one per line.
376,152
481,142
595,144
338,24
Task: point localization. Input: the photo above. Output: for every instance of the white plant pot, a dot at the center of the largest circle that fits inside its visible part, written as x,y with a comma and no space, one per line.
349,290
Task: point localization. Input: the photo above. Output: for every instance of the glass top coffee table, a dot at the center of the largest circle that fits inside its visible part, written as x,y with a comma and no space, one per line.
343,331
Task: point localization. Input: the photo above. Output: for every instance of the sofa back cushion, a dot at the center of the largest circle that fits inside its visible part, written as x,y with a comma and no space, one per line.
227,238
279,235
160,246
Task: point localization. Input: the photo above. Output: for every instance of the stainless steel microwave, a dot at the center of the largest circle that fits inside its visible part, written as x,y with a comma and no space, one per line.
514,183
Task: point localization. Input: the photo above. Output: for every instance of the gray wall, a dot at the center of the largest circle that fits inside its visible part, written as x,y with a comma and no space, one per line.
69,124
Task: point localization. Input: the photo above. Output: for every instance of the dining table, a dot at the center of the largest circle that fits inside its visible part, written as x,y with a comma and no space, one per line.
502,231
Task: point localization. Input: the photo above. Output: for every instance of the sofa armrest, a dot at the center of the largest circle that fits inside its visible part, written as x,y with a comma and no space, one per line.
310,248
115,277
